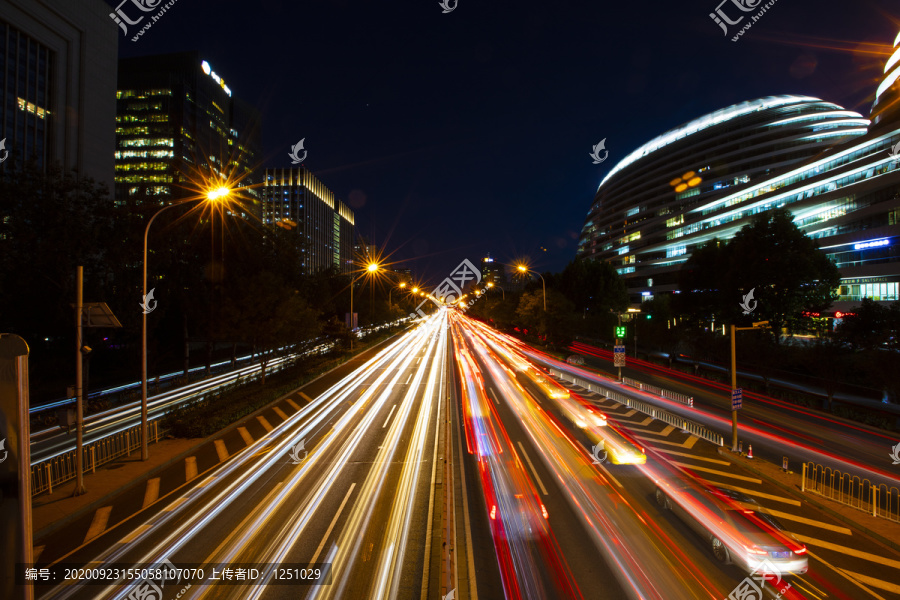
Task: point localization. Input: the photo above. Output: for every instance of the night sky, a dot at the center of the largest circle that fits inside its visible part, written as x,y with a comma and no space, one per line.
452,135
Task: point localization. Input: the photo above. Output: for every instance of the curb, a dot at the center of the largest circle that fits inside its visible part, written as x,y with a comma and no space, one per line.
93,506
727,455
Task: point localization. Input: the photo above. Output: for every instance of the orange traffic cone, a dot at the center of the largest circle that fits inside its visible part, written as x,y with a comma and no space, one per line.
750,451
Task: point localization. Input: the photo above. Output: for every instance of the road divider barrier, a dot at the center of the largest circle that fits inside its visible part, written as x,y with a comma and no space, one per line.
851,490
687,425
670,395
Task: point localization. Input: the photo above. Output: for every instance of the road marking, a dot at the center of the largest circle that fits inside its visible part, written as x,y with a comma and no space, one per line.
98,524
190,468
877,583
533,471
655,441
305,397
151,492
134,534
280,413
630,413
643,423
845,575
175,504
294,405
805,521
407,379
665,432
221,450
493,397
756,494
333,522
389,416
246,435
36,553
703,458
689,443
262,421
888,562
714,472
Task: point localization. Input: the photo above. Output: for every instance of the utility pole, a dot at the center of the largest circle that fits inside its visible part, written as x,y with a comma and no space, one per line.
79,392
737,395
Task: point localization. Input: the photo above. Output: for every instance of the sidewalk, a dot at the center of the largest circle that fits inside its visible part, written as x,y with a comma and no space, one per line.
884,531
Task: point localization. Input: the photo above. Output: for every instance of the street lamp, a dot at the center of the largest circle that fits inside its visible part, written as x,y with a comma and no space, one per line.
214,195
370,269
524,269
491,284
734,431
391,291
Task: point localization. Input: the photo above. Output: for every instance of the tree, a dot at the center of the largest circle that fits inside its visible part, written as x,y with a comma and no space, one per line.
872,325
554,324
592,285
772,257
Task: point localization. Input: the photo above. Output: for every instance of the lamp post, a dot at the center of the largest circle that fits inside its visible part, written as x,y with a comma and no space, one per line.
524,269
371,268
215,195
734,427
391,291
491,284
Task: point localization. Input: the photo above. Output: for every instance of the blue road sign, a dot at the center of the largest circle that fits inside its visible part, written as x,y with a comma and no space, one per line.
737,399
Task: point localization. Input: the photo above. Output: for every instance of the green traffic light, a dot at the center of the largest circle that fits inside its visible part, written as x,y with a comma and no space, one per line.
620,331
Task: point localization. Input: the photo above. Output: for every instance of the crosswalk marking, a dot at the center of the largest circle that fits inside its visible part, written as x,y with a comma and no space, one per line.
714,472
151,492
265,423
293,404
221,450
703,458
190,467
98,523
245,435
134,534
280,413
881,560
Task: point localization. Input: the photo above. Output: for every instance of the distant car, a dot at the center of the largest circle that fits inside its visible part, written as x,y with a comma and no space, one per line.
575,359
733,523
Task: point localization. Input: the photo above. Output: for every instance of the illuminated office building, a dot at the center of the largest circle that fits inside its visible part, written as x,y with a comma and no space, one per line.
295,199
177,120
58,79
832,168
492,271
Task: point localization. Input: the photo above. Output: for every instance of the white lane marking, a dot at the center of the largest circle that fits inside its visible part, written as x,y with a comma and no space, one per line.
333,522
493,397
389,416
533,471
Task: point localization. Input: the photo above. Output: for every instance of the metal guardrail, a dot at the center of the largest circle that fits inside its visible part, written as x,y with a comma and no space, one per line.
646,387
648,409
852,490
61,469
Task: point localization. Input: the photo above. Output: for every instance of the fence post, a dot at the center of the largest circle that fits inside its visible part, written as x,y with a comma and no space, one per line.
93,460
874,501
803,479
49,479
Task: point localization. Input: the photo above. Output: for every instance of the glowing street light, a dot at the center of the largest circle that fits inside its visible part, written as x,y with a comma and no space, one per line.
371,269
219,194
524,269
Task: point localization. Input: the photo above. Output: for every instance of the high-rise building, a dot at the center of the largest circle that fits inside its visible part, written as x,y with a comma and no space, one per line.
833,169
323,224
492,271
179,126
58,80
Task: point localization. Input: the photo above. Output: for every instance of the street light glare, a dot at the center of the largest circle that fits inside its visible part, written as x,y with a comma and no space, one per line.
522,268
217,193
372,267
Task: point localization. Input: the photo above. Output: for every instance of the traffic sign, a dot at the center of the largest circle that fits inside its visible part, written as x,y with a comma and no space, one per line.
620,331
619,356
737,399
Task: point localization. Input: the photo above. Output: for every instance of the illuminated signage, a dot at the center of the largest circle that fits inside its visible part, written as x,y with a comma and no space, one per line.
871,244
208,70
